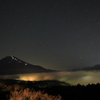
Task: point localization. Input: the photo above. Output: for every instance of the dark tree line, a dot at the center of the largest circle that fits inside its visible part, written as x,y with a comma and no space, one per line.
53,87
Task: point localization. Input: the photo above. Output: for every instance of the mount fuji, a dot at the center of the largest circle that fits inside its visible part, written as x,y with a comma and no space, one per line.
13,65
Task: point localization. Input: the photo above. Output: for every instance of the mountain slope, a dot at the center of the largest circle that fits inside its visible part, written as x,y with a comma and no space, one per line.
96,67
13,65
93,68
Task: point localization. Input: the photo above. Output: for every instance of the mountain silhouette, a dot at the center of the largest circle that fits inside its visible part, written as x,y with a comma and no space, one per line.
93,68
96,67
13,65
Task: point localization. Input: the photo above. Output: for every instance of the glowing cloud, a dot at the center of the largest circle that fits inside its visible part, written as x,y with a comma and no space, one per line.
81,77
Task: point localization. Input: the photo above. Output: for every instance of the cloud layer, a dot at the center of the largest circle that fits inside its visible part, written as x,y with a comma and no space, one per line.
81,77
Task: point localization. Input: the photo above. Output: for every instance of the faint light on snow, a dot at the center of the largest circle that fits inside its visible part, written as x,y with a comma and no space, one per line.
15,59
25,64
12,57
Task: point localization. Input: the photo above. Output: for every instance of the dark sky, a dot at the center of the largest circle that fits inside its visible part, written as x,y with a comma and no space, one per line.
56,34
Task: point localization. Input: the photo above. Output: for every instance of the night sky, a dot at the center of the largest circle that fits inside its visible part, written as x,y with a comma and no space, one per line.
56,34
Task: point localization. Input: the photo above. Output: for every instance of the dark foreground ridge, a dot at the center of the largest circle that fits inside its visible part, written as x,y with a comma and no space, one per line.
13,65
53,87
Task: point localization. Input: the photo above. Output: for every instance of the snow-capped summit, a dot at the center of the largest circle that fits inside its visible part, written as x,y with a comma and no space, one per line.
12,57
16,59
13,65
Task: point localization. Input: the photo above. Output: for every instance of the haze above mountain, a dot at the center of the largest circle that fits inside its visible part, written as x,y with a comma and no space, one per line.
13,65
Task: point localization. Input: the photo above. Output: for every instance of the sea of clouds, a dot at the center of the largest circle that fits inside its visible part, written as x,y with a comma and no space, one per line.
74,77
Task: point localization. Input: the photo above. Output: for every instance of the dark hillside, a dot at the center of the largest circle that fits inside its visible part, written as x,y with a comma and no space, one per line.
12,65
55,88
